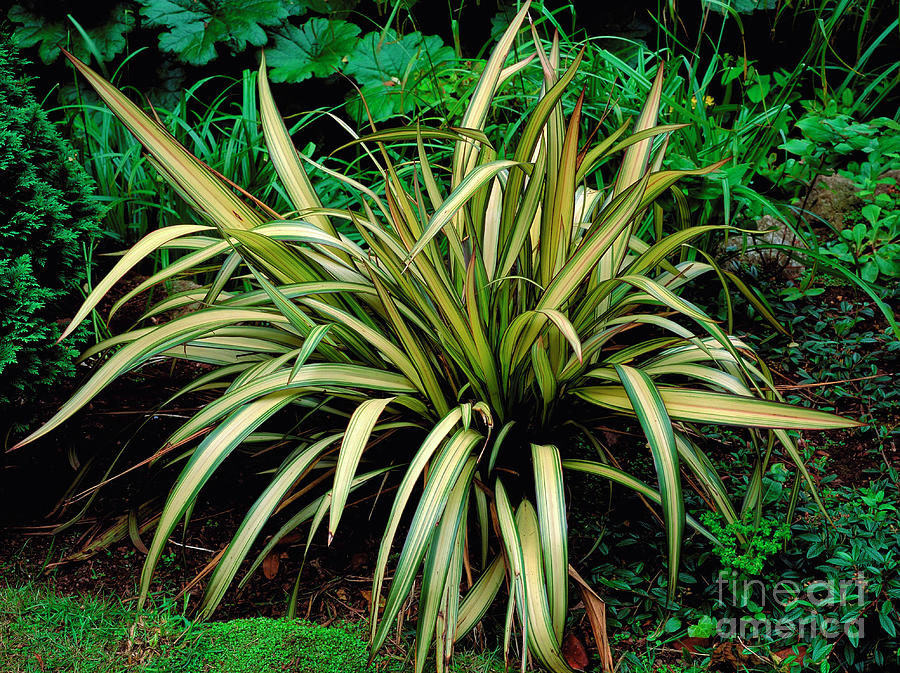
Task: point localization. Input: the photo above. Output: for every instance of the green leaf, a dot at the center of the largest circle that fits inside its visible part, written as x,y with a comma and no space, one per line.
35,30
551,510
377,59
109,39
315,49
701,406
797,146
651,413
355,441
392,71
195,27
330,6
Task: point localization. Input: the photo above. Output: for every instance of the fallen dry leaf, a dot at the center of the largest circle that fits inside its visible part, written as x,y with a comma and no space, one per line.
574,652
732,655
691,644
596,611
270,566
368,596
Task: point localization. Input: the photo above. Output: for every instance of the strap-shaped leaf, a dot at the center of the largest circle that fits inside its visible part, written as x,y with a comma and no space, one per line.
542,640
311,375
445,625
284,155
253,522
701,406
551,509
479,598
637,157
299,231
478,178
443,475
630,481
535,128
359,429
149,344
306,513
372,335
522,333
651,414
313,339
417,465
458,133
611,144
298,319
616,218
206,190
479,104
512,549
707,475
543,374
477,303
204,461
557,218
180,266
437,568
140,250
413,347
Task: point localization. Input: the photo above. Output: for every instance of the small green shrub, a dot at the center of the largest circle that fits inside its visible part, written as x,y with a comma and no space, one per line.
760,541
46,216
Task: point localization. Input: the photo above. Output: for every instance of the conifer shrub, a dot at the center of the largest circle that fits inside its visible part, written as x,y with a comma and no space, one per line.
46,216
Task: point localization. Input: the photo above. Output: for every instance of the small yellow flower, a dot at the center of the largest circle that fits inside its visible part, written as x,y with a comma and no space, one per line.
708,101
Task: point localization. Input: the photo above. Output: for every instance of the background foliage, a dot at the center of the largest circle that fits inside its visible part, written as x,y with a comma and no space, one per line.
47,220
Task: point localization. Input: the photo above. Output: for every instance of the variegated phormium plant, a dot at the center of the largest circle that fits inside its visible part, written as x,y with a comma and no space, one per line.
479,314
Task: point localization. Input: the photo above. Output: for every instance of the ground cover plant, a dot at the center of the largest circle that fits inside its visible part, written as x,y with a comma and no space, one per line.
494,304
45,631
732,619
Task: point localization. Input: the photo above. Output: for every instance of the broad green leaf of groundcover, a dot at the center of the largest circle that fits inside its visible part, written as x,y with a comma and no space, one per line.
330,6
315,49
743,6
196,26
391,68
109,39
